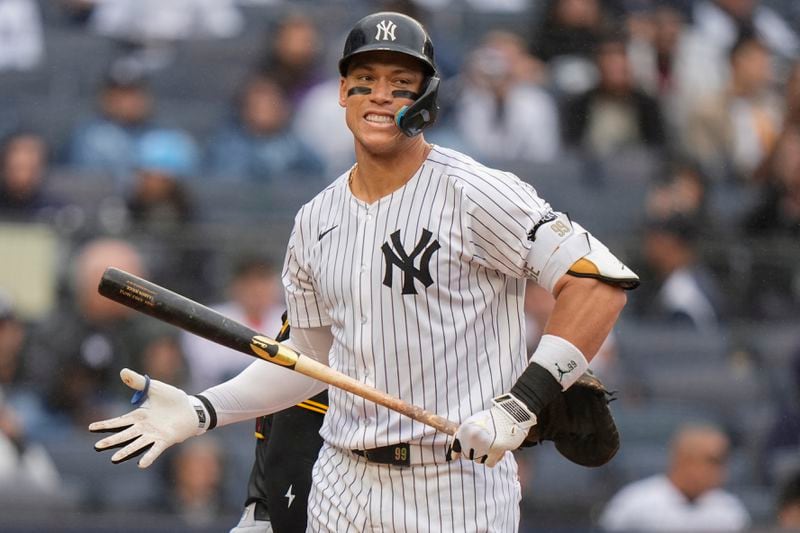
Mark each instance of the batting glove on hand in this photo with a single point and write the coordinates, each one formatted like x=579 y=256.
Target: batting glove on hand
x=485 y=437
x=166 y=416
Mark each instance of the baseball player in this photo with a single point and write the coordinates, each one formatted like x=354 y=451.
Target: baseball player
x=287 y=444
x=408 y=273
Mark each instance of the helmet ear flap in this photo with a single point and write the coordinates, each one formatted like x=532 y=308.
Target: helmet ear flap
x=414 y=118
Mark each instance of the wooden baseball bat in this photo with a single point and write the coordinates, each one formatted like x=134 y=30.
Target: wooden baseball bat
x=163 y=304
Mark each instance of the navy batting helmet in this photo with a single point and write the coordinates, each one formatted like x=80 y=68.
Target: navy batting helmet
x=395 y=32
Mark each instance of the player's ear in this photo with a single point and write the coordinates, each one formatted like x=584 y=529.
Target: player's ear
x=343 y=91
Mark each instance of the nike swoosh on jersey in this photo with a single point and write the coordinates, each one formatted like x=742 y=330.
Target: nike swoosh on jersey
x=321 y=235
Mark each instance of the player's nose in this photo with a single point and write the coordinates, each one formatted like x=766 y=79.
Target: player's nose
x=381 y=92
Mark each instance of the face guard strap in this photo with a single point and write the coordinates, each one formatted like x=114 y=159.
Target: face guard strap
x=414 y=118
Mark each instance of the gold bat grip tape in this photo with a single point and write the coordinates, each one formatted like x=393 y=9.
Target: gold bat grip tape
x=273 y=352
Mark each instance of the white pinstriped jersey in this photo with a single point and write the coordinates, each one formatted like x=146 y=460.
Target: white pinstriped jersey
x=423 y=290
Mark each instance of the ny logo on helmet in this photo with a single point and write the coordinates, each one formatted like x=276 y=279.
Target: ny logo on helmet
x=385 y=31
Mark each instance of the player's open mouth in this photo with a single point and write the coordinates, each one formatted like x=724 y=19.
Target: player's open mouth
x=379 y=119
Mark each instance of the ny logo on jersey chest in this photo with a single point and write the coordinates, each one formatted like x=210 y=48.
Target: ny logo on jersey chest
x=396 y=256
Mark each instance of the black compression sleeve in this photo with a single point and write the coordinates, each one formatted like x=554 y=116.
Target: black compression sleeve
x=536 y=387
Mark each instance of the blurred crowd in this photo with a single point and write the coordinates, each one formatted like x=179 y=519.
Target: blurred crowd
x=175 y=139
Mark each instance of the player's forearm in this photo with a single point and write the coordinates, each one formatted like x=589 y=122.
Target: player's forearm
x=263 y=388
x=585 y=312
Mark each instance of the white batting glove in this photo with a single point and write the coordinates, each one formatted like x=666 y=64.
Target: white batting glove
x=485 y=437
x=166 y=416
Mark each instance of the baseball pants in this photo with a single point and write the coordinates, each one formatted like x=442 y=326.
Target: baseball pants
x=348 y=493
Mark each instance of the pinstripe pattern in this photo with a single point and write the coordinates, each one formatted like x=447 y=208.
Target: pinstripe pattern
x=449 y=348
x=350 y=494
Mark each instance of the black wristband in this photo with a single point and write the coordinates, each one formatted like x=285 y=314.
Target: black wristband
x=536 y=387
x=212 y=413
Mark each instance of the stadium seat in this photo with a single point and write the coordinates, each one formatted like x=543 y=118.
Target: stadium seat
x=654 y=423
x=560 y=491
x=656 y=344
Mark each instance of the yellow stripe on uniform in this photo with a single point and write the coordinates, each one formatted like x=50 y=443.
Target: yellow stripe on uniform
x=312 y=408
x=316 y=404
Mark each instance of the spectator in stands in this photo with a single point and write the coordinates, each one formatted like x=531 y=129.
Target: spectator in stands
x=23 y=169
x=778 y=175
x=566 y=38
x=159 y=199
x=254 y=299
x=194 y=484
x=161 y=356
x=615 y=114
x=720 y=21
x=259 y=145
x=681 y=192
x=147 y=31
x=658 y=37
x=503 y=112
x=162 y=209
x=25 y=466
x=293 y=58
x=320 y=122
x=77 y=351
x=685 y=292
x=702 y=65
x=789 y=504
x=655 y=32
x=732 y=131
x=688 y=496
x=106 y=143
x=16 y=383
x=143 y=21
x=21 y=35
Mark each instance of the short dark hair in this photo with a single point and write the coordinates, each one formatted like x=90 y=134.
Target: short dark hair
x=252 y=264
x=684 y=228
x=746 y=37
x=613 y=36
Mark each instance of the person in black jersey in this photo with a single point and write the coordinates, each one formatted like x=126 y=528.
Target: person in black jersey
x=287 y=444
